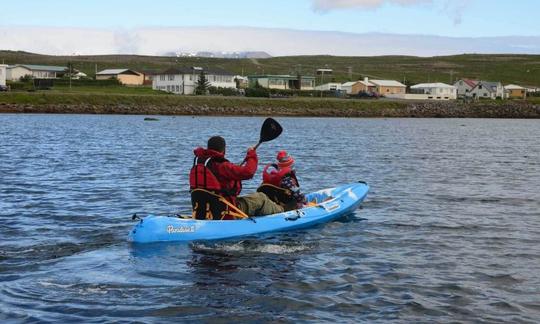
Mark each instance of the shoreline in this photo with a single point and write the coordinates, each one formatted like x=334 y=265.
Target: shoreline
x=240 y=106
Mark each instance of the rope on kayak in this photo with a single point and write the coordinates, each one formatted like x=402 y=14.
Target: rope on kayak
x=237 y=211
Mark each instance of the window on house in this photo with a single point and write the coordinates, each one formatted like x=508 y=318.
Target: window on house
x=171 y=77
x=307 y=84
x=162 y=77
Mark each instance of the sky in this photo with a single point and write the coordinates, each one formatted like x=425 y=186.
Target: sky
x=122 y=26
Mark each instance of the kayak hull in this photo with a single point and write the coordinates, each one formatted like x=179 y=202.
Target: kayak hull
x=333 y=203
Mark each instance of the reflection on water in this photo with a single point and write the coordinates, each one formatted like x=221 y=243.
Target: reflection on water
x=449 y=232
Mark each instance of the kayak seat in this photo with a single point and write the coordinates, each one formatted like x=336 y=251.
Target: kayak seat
x=280 y=196
x=207 y=205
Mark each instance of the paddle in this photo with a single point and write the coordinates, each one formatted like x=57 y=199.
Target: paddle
x=270 y=130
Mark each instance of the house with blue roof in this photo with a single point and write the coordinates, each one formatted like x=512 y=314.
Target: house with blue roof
x=17 y=71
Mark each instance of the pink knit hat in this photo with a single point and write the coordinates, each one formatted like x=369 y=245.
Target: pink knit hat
x=284 y=159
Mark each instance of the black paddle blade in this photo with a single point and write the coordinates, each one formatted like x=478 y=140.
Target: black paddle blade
x=270 y=130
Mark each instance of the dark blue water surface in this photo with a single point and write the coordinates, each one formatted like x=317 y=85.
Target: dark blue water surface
x=450 y=230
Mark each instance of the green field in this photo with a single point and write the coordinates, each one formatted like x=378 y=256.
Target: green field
x=518 y=69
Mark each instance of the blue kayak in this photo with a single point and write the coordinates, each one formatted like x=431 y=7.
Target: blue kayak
x=332 y=204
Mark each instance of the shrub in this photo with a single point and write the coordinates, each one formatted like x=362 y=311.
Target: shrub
x=223 y=91
x=257 y=92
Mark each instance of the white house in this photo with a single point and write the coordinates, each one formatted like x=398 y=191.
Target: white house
x=464 y=86
x=3 y=71
x=332 y=86
x=16 y=72
x=184 y=80
x=488 y=90
x=436 y=91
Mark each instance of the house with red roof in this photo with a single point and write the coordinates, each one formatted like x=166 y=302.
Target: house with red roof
x=464 y=87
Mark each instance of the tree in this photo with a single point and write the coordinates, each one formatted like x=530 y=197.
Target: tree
x=202 y=84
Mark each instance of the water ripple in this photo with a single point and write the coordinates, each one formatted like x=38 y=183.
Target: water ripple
x=450 y=231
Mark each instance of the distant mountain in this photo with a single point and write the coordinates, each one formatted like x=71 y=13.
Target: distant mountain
x=276 y=42
x=234 y=55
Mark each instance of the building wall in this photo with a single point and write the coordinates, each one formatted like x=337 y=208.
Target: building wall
x=277 y=83
x=43 y=74
x=3 y=74
x=126 y=79
x=172 y=83
x=517 y=93
x=480 y=91
x=129 y=79
x=186 y=83
x=462 y=87
x=15 y=73
x=329 y=86
x=104 y=77
x=360 y=87
x=383 y=90
x=307 y=84
x=416 y=96
x=440 y=93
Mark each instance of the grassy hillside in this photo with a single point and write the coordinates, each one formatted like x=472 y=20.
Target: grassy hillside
x=519 y=69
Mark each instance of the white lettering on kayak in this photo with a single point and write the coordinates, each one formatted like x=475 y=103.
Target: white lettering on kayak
x=182 y=229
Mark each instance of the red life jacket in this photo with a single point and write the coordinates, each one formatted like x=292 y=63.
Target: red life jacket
x=201 y=176
x=275 y=176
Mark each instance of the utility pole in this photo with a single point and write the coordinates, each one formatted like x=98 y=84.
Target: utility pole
x=451 y=76
x=70 y=67
x=322 y=82
x=349 y=71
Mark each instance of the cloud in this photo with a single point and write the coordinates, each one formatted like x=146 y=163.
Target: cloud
x=452 y=8
x=327 y=5
x=277 y=42
x=456 y=8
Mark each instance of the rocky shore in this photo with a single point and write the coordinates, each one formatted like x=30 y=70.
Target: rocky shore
x=313 y=108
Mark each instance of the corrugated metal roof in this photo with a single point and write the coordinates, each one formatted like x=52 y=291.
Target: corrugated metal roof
x=185 y=70
x=432 y=85
x=50 y=68
x=514 y=87
x=491 y=86
x=349 y=84
x=114 y=71
x=469 y=82
x=387 y=83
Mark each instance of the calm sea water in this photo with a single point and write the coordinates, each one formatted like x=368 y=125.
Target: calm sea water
x=450 y=230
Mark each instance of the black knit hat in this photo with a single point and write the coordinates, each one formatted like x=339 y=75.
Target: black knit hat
x=216 y=143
